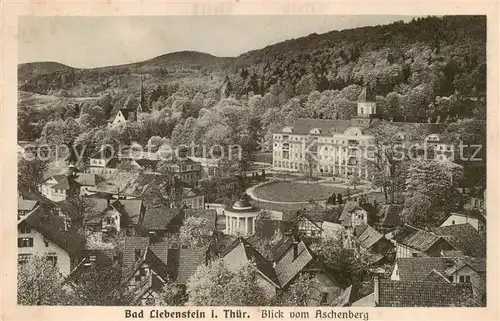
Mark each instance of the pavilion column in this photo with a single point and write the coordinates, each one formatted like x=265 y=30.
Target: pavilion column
x=253 y=226
x=246 y=226
x=238 y=225
x=227 y=224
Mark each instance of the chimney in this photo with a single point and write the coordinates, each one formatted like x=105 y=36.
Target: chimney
x=376 y=291
x=295 y=248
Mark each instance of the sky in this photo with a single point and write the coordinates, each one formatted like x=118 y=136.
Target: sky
x=87 y=42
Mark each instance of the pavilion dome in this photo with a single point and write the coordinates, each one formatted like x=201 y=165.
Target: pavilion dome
x=243 y=205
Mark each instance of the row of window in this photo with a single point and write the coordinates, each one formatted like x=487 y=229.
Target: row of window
x=28 y=242
x=23 y=258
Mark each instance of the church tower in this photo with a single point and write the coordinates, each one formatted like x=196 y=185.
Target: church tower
x=367 y=107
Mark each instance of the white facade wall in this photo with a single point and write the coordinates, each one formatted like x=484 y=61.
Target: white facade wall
x=42 y=246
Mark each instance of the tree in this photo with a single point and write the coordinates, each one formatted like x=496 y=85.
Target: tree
x=218 y=285
x=354 y=180
x=30 y=173
x=431 y=192
x=195 y=232
x=350 y=264
x=387 y=161
x=98 y=286
x=172 y=294
x=304 y=291
x=40 y=283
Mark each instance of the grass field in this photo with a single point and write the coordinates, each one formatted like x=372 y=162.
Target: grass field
x=296 y=192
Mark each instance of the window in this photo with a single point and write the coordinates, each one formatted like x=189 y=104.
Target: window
x=453 y=222
x=324 y=298
x=23 y=258
x=92 y=258
x=137 y=254
x=25 y=242
x=52 y=258
x=467 y=279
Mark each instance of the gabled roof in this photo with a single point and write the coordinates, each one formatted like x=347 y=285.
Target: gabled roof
x=53 y=227
x=158 y=218
x=189 y=261
x=25 y=205
x=415 y=238
x=242 y=253
x=436 y=276
x=369 y=237
x=476 y=264
x=289 y=267
x=463 y=237
x=132 y=243
x=388 y=214
x=158 y=265
x=422 y=294
x=86 y=179
x=473 y=214
x=351 y=206
x=417 y=268
x=130 y=208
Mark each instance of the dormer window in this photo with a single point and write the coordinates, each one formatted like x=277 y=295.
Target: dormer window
x=288 y=129
x=401 y=136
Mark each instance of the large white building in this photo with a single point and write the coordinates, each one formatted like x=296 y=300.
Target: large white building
x=332 y=143
x=336 y=147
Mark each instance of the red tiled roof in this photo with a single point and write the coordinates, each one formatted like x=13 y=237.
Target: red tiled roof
x=288 y=267
x=415 y=238
x=422 y=294
x=243 y=253
x=463 y=237
x=25 y=205
x=369 y=237
x=158 y=218
x=417 y=268
x=189 y=261
x=53 y=228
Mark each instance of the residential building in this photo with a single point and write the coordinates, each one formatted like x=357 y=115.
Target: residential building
x=411 y=242
x=59 y=187
x=463 y=237
x=291 y=258
x=370 y=239
x=147 y=267
x=162 y=221
x=336 y=146
x=443 y=269
x=25 y=206
x=472 y=217
x=45 y=234
x=388 y=293
x=111 y=216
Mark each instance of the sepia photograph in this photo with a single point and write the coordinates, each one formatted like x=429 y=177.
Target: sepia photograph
x=324 y=161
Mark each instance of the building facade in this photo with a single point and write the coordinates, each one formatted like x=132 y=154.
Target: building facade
x=325 y=146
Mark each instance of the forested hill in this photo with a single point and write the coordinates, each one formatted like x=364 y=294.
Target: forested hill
x=28 y=71
x=442 y=54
